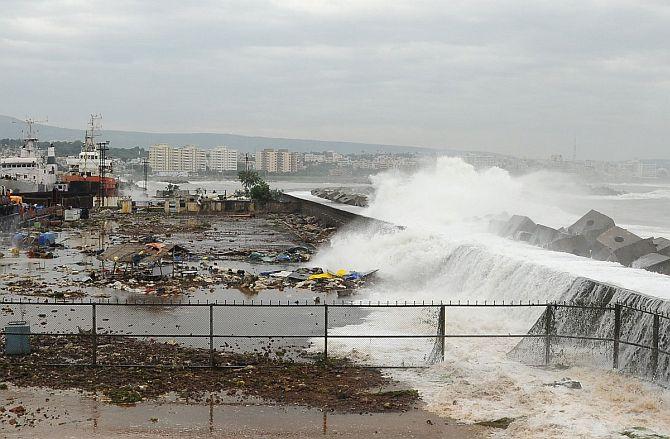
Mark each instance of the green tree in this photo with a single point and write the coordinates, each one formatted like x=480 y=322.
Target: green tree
x=249 y=179
x=260 y=192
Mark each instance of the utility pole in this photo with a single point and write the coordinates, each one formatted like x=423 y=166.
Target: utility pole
x=246 y=161
x=103 y=147
x=145 y=165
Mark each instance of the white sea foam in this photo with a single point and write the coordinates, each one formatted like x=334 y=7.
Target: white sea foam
x=445 y=254
x=658 y=194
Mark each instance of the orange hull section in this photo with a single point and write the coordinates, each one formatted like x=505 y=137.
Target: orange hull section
x=110 y=183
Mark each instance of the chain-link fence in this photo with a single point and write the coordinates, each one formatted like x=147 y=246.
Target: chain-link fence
x=384 y=335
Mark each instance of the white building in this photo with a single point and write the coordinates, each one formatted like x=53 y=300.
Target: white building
x=193 y=159
x=331 y=157
x=313 y=158
x=223 y=159
x=159 y=157
x=277 y=161
x=166 y=158
x=646 y=170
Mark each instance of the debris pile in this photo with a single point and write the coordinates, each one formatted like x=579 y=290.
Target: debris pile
x=334 y=385
x=307 y=228
x=293 y=254
x=315 y=279
x=342 y=281
x=594 y=235
x=36 y=244
x=27 y=285
x=149 y=253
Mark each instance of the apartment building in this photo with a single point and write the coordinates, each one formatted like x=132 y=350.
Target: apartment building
x=190 y=158
x=222 y=159
x=277 y=160
x=159 y=157
x=311 y=157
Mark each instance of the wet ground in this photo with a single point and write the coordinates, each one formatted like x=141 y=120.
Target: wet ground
x=209 y=238
x=67 y=414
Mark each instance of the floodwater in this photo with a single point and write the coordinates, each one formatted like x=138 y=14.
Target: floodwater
x=185 y=325
x=72 y=415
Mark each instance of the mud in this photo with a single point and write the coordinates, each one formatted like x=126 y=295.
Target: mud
x=335 y=384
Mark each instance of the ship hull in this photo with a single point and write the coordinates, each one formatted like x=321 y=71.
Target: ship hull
x=91 y=185
x=20 y=186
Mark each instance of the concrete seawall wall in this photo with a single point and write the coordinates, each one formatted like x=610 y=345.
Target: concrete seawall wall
x=331 y=216
x=636 y=329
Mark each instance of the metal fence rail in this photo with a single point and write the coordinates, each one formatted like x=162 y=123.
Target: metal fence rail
x=253 y=326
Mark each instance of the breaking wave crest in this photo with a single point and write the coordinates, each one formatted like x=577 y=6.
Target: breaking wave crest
x=659 y=194
x=445 y=254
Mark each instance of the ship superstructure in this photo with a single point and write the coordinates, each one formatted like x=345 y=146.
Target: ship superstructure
x=31 y=171
x=91 y=171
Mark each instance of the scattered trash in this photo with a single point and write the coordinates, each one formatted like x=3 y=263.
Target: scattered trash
x=294 y=254
x=140 y=259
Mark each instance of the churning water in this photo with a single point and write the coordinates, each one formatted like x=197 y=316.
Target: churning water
x=445 y=253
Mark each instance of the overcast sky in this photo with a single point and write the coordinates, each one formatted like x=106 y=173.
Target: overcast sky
x=521 y=77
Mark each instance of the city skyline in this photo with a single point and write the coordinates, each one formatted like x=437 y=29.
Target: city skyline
x=507 y=77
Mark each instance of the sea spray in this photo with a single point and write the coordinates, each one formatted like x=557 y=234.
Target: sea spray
x=452 y=192
x=444 y=254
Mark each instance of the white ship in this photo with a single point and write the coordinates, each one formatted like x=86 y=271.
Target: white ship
x=31 y=171
x=91 y=171
x=87 y=163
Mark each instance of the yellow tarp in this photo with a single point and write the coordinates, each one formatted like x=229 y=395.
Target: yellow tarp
x=329 y=275
x=321 y=276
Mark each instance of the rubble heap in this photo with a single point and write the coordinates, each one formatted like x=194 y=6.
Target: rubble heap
x=315 y=279
x=594 y=235
x=307 y=228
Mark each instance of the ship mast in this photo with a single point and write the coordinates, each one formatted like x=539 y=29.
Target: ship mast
x=93 y=126
x=89 y=139
x=30 y=138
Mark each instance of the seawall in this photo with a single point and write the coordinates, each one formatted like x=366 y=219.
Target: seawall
x=636 y=331
x=636 y=327
x=328 y=215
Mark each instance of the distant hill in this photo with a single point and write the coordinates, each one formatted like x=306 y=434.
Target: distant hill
x=11 y=128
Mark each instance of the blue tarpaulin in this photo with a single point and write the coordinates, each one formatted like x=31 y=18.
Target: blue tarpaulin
x=46 y=239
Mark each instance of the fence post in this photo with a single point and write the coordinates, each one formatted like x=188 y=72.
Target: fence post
x=94 y=336
x=325 y=332
x=547 y=334
x=441 y=328
x=617 y=335
x=654 y=351
x=211 y=335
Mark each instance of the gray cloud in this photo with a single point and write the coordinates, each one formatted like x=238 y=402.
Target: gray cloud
x=507 y=76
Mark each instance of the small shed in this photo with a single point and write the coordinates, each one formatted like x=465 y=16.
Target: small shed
x=133 y=254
